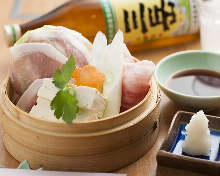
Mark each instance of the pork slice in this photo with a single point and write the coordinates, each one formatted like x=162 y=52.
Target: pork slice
x=33 y=61
x=81 y=58
x=67 y=41
x=135 y=82
x=29 y=97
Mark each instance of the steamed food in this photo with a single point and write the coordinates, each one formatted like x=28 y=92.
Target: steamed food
x=112 y=61
x=91 y=102
x=135 y=82
x=32 y=61
x=29 y=97
x=60 y=76
x=135 y=76
x=198 y=141
x=66 y=41
x=88 y=76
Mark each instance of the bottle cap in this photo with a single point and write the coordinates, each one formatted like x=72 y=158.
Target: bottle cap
x=12 y=33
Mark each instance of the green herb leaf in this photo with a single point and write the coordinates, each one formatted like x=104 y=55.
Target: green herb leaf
x=61 y=78
x=24 y=165
x=65 y=104
x=70 y=108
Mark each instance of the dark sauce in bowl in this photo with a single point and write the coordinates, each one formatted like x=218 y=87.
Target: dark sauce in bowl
x=196 y=82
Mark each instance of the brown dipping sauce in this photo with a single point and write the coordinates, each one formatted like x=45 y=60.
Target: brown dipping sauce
x=196 y=82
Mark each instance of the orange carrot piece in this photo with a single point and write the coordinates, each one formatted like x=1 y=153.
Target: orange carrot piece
x=89 y=76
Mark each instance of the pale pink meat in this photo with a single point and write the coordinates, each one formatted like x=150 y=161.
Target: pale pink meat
x=29 y=97
x=64 y=40
x=33 y=61
x=135 y=82
x=66 y=50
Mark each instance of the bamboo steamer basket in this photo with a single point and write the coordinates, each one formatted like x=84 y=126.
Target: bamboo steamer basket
x=101 y=146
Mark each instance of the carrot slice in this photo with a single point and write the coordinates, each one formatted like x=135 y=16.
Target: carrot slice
x=89 y=76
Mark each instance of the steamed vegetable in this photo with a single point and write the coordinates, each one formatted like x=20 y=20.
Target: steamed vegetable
x=89 y=76
x=109 y=60
x=65 y=103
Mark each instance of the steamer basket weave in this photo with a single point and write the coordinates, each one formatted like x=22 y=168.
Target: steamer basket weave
x=104 y=145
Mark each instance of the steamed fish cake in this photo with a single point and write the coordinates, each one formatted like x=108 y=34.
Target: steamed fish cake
x=64 y=40
x=32 y=61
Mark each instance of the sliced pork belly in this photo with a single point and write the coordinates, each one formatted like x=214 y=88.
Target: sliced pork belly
x=29 y=97
x=32 y=61
x=65 y=40
x=135 y=82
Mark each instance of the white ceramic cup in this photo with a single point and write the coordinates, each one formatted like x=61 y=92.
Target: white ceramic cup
x=210 y=25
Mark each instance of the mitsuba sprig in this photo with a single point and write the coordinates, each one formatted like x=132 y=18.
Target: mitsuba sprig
x=65 y=103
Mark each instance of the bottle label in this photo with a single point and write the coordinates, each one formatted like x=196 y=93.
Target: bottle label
x=147 y=20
